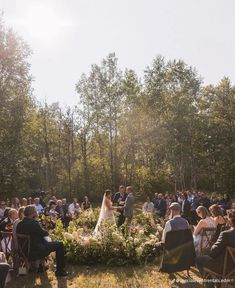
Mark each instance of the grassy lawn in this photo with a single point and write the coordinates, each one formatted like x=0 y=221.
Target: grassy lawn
x=100 y=276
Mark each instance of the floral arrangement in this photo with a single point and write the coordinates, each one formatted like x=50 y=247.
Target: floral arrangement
x=112 y=246
x=47 y=222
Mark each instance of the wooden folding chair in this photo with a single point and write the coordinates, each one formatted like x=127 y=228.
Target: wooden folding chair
x=179 y=252
x=7 y=245
x=225 y=275
x=23 y=242
x=206 y=239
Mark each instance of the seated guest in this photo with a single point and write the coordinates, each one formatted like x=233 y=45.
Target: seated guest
x=215 y=260
x=74 y=208
x=15 y=203
x=179 y=197
x=177 y=243
x=30 y=201
x=23 y=202
x=204 y=200
x=190 y=197
x=64 y=203
x=86 y=204
x=214 y=198
x=7 y=226
x=220 y=222
x=226 y=203
x=5 y=215
x=16 y=222
x=38 y=206
x=168 y=201
x=42 y=197
x=160 y=205
x=4 y=268
x=186 y=206
x=7 y=223
x=39 y=247
x=193 y=214
x=2 y=208
x=59 y=209
x=176 y=222
x=205 y=222
x=217 y=214
x=52 y=211
x=148 y=206
x=67 y=216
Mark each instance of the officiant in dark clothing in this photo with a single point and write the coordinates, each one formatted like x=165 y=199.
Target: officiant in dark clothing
x=160 y=205
x=186 y=207
x=119 y=199
x=39 y=246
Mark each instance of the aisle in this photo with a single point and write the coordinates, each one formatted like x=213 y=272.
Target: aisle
x=111 y=277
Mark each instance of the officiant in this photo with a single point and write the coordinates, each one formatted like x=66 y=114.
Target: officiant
x=119 y=200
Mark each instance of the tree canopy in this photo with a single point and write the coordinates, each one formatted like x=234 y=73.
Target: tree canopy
x=162 y=132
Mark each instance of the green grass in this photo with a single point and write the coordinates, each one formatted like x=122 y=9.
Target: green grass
x=100 y=276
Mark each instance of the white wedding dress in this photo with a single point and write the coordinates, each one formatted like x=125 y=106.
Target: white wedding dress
x=106 y=213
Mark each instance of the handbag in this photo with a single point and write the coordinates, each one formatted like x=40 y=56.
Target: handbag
x=3 y=258
x=22 y=270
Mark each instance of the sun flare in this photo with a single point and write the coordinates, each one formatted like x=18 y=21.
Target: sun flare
x=42 y=23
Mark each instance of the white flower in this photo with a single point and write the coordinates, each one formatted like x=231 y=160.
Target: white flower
x=159 y=228
x=141 y=231
x=75 y=235
x=152 y=236
x=151 y=241
x=136 y=241
x=139 y=251
x=68 y=236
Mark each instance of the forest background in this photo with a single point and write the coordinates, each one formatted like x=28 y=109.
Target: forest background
x=163 y=132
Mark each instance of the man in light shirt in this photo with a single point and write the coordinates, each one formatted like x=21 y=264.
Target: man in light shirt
x=74 y=208
x=38 y=206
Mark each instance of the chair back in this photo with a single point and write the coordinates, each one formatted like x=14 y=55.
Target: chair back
x=206 y=242
x=219 y=229
x=229 y=263
x=6 y=243
x=179 y=252
x=23 y=245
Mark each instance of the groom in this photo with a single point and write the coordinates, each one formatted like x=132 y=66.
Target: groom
x=129 y=205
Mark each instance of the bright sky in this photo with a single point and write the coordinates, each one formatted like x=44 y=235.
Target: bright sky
x=67 y=36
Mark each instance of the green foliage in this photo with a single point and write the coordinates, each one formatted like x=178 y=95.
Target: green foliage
x=163 y=132
x=112 y=246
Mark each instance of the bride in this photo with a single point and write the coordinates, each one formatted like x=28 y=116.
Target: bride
x=106 y=212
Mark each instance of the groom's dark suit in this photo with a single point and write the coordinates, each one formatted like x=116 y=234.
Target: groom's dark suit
x=119 y=198
x=39 y=247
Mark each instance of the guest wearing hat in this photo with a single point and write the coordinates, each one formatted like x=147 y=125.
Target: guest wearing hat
x=176 y=222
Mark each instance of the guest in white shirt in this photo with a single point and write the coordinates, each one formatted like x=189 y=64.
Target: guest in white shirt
x=15 y=223
x=38 y=206
x=74 y=208
x=148 y=206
